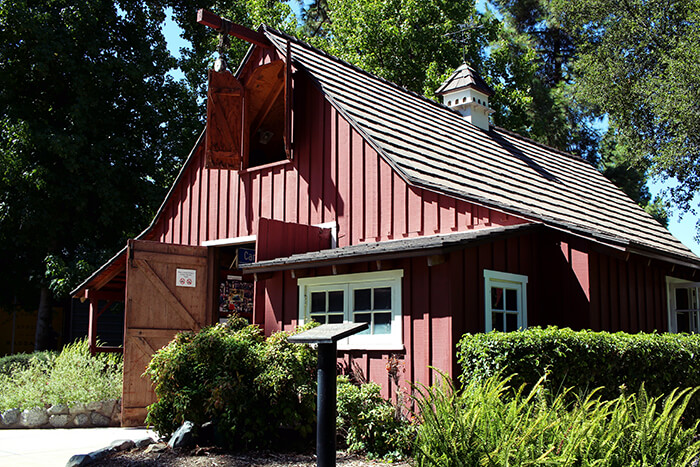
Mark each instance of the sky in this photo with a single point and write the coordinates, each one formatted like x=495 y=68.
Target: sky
x=681 y=225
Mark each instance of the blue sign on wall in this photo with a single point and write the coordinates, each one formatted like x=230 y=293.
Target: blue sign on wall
x=246 y=256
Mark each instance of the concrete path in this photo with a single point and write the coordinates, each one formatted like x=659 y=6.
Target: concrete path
x=53 y=448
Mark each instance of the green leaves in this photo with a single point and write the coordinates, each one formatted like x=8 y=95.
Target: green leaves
x=248 y=385
x=489 y=422
x=583 y=360
x=638 y=63
x=93 y=130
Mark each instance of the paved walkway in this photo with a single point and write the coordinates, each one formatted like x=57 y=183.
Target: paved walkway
x=53 y=448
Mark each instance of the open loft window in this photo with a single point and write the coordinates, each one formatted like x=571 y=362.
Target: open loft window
x=249 y=122
x=684 y=306
x=505 y=298
x=372 y=297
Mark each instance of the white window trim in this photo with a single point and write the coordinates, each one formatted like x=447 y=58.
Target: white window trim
x=393 y=341
x=504 y=278
x=230 y=241
x=333 y=226
x=671 y=284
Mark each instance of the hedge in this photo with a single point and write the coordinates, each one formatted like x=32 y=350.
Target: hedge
x=585 y=360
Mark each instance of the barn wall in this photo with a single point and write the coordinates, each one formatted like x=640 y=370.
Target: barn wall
x=440 y=303
x=629 y=293
x=335 y=176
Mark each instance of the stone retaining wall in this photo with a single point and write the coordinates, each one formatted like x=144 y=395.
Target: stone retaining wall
x=104 y=413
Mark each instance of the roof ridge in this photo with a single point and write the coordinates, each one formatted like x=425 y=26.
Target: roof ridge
x=354 y=67
x=542 y=145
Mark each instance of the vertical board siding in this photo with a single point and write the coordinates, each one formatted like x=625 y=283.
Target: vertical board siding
x=636 y=301
x=335 y=176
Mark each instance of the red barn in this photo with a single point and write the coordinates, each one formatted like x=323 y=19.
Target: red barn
x=319 y=191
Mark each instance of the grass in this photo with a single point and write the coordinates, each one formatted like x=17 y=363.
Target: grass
x=489 y=423
x=69 y=377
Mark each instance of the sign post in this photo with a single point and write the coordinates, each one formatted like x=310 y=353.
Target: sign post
x=326 y=336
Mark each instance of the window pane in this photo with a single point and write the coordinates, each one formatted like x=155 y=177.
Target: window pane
x=382 y=298
x=336 y=319
x=497 y=321
x=318 y=302
x=683 y=322
x=382 y=323
x=511 y=322
x=496 y=298
x=335 y=300
x=363 y=299
x=511 y=300
x=319 y=318
x=364 y=318
x=682 y=302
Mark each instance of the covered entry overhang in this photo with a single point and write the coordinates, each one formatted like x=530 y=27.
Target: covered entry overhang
x=434 y=247
x=104 y=287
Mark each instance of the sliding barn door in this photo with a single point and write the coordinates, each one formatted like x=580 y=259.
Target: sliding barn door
x=168 y=289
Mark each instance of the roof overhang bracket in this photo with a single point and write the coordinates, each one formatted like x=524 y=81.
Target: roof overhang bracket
x=225 y=26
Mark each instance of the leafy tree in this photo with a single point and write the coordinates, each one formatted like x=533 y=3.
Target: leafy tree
x=534 y=38
x=638 y=63
x=93 y=129
x=630 y=174
x=408 y=42
x=250 y=13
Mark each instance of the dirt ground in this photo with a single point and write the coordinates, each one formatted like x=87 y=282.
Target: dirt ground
x=200 y=457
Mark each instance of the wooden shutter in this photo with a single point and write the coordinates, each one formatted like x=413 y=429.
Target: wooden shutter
x=224 y=139
x=288 y=108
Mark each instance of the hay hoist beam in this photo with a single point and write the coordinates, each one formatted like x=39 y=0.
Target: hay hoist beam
x=207 y=18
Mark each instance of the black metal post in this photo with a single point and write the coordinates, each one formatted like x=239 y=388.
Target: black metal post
x=325 y=423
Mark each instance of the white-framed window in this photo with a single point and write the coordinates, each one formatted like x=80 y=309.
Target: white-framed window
x=371 y=297
x=683 y=305
x=506 y=301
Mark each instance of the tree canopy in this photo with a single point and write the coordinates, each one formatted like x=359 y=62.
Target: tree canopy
x=93 y=130
x=638 y=64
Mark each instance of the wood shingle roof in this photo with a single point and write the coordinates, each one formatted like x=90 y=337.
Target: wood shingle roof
x=433 y=147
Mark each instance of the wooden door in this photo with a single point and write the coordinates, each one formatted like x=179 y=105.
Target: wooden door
x=168 y=289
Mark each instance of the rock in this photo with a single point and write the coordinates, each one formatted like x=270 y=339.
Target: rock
x=93 y=406
x=33 y=418
x=58 y=409
x=98 y=419
x=108 y=407
x=81 y=420
x=59 y=421
x=156 y=447
x=77 y=408
x=123 y=444
x=79 y=460
x=183 y=436
x=100 y=454
x=142 y=443
x=205 y=435
x=10 y=417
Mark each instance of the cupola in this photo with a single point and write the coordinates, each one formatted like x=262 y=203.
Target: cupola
x=467 y=93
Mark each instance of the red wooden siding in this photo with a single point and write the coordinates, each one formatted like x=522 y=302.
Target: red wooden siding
x=629 y=293
x=335 y=175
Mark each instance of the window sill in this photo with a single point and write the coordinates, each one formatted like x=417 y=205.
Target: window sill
x=265 y=166
x=379 y=347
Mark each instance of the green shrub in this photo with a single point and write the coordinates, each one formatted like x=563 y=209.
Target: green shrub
x=10 y=363
x=249 y=386
x=583 y=360
x=488 y=423
x=72 y=376
x=368 y=423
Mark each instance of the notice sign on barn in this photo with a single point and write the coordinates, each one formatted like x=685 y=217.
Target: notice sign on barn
x=186 y=278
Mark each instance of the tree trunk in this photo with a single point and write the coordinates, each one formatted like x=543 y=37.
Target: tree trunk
x=44 y=338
